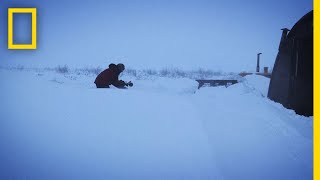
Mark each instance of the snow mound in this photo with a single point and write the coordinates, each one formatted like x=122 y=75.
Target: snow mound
x=167 y=85
x=257 y=83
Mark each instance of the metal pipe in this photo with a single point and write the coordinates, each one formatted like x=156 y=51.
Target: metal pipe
x=283 y=37
x=258 y=62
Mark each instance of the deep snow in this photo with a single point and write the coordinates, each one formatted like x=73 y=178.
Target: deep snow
x=60 y=125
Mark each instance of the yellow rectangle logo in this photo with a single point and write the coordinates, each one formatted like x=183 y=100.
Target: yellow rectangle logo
x=33 y=12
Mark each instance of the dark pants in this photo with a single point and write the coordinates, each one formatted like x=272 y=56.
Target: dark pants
x=99 y=86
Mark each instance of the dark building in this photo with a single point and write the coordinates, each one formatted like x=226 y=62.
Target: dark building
x=292 y=77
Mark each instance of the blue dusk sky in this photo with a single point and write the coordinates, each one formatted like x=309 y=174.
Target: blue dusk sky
x=217 y=35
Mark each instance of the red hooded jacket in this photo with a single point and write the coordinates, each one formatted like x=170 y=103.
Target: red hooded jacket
x=108 y=77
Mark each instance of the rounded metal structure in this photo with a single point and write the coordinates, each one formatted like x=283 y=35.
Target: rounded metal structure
x=292 y=77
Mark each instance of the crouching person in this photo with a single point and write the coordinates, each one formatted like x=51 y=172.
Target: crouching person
x=110 y=76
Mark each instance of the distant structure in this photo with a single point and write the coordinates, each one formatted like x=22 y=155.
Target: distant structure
x=258 y=62
x=292 y=77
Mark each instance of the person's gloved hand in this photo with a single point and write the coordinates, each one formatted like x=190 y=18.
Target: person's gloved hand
x=122 y=83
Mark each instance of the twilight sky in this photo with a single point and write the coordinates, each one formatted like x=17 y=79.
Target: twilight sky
x=218 y=35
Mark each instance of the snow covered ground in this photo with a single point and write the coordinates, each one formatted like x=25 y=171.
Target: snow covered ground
x=60 y=126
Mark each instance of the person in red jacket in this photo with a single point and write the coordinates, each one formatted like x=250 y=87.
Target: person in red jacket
x=110 y=76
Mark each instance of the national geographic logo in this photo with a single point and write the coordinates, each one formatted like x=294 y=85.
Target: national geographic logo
x=33 y=12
